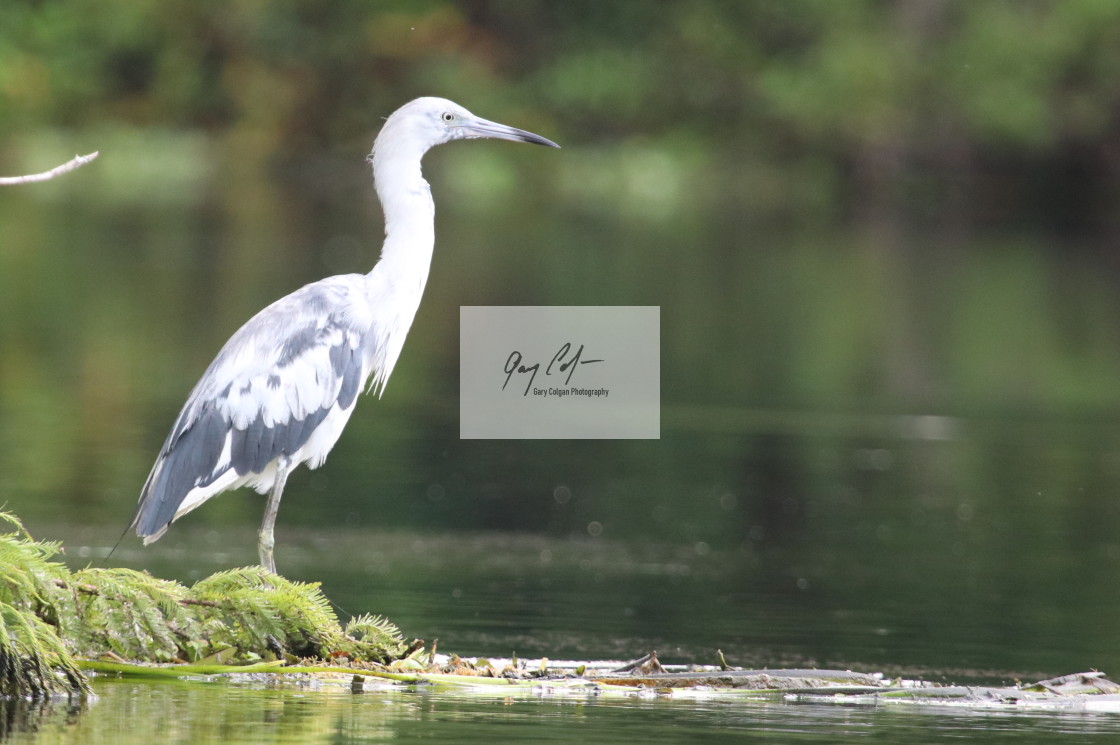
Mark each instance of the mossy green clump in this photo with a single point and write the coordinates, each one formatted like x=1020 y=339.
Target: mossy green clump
x=34 y=661
x=50 y=616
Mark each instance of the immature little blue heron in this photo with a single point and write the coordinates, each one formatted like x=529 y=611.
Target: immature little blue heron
x=284 y=386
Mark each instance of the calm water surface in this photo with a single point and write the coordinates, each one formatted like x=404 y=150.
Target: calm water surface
x=880 y=450
x=223 y=713
x=495 y=594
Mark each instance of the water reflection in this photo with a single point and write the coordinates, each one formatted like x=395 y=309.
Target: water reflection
x=26 y=718
x=220 y=712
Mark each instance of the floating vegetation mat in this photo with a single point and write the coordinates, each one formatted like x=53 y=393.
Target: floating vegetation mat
x=53 y=622
x=645 y=678
x=251 y=627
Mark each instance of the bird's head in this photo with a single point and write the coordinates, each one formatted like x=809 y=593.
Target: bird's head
x=426 y=122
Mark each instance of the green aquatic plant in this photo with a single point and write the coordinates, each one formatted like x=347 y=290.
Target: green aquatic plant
x=130 y=614
x=50 y=617
x=370 y=636
x=34 y=661
x=28 y=577
x=248 y=605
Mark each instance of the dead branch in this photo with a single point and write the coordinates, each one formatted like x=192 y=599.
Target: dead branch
x=77 y=162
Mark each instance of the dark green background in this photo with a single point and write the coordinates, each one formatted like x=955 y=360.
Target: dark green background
x=882 y=235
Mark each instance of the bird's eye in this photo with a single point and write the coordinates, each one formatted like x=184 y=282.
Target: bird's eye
x=448 y=117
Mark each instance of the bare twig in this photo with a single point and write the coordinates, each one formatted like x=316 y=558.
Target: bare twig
x=647 y=663
x=77 y=162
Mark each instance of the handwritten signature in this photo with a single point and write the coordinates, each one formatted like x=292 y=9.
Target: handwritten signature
x=515 y=364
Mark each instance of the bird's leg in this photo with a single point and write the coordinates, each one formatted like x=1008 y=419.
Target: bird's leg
x=265 y=540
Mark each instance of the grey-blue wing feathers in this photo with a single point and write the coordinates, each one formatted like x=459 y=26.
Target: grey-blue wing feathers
x=295 y=366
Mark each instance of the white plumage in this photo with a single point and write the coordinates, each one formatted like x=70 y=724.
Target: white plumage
x=281 y=390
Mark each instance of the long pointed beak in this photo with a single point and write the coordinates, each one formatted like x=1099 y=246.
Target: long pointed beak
x=484 y=128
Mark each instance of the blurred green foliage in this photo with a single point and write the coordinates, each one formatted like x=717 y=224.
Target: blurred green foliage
x=845 y=208
x=869 y=100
